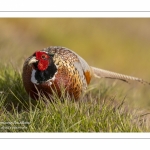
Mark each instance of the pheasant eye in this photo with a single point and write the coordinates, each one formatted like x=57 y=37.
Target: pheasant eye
x=43 y=57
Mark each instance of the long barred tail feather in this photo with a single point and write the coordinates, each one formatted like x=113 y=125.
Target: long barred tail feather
x=100 y=73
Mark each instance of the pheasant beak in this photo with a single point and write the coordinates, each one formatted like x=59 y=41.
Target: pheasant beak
x=32 y=60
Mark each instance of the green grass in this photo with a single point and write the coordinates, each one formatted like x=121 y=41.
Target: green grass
x=97 y=111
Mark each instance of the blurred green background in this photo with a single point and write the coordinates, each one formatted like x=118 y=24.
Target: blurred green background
x=116 y=44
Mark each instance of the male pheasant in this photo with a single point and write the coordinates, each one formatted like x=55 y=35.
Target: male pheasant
x=47 y=70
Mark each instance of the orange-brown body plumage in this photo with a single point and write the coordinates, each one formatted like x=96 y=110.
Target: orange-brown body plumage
x=70 y=74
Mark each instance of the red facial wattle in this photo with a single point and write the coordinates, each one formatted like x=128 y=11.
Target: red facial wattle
x=43 y=65
x=44 y=60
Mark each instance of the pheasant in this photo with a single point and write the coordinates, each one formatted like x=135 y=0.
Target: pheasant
x=48 y=69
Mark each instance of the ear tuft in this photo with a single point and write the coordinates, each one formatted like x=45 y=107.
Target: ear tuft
x=51 y=54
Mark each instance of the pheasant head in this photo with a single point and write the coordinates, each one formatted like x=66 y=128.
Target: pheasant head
x=43 y=67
